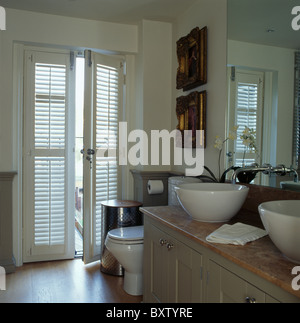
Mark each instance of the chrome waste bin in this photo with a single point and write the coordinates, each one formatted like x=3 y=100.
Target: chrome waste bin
x=117 y=214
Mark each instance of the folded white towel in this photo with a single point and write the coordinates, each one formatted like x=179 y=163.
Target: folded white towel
x=237 y=234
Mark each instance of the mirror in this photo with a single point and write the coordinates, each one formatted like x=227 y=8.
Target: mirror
x=261 y=39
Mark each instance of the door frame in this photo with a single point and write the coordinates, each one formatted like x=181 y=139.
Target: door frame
x=17 y=110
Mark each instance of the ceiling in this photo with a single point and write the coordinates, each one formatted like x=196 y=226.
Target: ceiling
x=122 y=11
x=265 y=22
x=248 y=20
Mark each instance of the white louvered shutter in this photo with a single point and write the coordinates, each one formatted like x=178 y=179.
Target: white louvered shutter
x=104 y=99
x=297 y=111
x=246 y=116
x=106 y=123
x=247 y=105
x=50 y=106
x=46 y=127
x=49 y=201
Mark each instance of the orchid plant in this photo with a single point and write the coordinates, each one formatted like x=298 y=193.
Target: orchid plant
x=248 y=138
x=219 y=144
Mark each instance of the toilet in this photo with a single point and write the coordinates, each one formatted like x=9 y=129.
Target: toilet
x=127 y=246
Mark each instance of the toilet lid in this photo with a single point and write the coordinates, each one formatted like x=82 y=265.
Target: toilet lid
x=127 y=233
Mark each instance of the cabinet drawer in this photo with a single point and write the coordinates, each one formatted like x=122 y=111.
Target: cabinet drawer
x=225 y=286
x=236 y=290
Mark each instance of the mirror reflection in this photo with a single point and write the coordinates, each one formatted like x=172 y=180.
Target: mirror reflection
x=263 y=79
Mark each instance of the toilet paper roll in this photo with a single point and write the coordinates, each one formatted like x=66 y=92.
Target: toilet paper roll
x=155 y=187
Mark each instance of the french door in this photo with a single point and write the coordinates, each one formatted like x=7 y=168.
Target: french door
x=48 y=157
x=49 y=151
x=101 y=175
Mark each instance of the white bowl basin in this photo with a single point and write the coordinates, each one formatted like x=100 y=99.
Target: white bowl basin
x=281 y=220
x=292 y=186
x=211 y=202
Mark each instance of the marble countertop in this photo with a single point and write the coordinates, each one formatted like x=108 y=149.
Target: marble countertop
x=260 y=257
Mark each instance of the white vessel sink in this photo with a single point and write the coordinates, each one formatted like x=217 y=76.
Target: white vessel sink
x=281 y=219
x=290 y=185
x=211 y=202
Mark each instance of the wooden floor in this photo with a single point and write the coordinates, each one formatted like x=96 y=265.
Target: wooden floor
x=67 y=281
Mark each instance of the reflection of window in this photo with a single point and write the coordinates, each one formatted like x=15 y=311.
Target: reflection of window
x=246 y=110
x=245 y=116
x=297 y=110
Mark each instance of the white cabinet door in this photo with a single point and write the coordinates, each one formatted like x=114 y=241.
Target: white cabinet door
x=172 y=270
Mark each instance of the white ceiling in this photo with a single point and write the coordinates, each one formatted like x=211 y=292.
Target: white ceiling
x=249 y=20
x=123 y=11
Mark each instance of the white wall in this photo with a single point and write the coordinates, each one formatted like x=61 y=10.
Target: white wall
x=280 y=60
x=213 y=14
x=154 y=81
x=34 y=28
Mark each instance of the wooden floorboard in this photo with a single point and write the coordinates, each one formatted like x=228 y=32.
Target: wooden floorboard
x=67 y=281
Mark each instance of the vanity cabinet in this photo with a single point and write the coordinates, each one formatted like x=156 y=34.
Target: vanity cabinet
x=180 y=269
x=173 y=271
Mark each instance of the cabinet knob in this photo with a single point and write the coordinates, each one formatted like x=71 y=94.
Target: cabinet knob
x=250 y=300
x=170 y=246
x=162 y=242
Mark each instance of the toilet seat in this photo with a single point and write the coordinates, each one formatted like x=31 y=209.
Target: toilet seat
x=127 y=235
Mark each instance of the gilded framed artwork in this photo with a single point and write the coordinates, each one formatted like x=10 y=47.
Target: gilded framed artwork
x=192 y=59
x=191 y=115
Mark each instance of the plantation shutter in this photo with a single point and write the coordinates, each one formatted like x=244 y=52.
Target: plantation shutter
x=47 y=191
x=245 y=110
x=50 y=106
x=246 y=102
x=246 y=116
x=104 y=97
x=107 y=110
x=297 y=111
